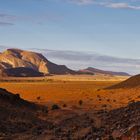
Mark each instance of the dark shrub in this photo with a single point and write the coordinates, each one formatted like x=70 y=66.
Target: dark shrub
x=108 y=100
x=38 y=98
x=64 y=105
x=55 y=107
x=80 y=102
x=114 y=100
x=104 y=105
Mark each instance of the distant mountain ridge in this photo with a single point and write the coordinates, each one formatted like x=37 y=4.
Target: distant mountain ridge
x=92 y=70
x=21 y=63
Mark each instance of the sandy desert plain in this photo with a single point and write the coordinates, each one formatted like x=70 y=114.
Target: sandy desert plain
x=68 y=90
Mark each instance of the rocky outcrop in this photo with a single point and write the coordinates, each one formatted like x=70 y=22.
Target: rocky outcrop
x=18 y=116
x=12 y=59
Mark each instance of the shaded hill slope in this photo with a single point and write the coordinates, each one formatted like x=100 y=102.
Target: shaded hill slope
x=132 y=82
x=18 y=116
x=21 y=72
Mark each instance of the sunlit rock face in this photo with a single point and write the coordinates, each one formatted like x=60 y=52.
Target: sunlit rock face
x=16 y=58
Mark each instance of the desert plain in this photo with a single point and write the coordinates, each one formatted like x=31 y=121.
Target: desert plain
x=68 y=90
x=69 y=107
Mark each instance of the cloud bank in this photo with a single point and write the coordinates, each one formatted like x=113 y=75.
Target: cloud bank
x=80 y=60
x=6 y=24
x=129 y=4
x=8 y=20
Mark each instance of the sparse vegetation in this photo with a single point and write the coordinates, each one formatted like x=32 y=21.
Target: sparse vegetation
x=68 y=93
x=64 y=105
x=38 y=98
x=80 y=102
x=104 y=106
x=98 y=96
x=108 y=100
x=114 y=100
x=55 y=107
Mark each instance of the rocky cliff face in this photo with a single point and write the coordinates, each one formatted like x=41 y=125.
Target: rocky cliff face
x=15 y=58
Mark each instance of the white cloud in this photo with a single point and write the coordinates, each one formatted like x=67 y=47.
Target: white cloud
x=80 y=60
x=6 y=23
x=82 y=2
x=130 y=4
x=122 y=6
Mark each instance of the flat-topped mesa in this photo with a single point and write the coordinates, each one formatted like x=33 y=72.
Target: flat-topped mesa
x=17 y=58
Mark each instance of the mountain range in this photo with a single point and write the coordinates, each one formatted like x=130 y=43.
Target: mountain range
x=98 y=71
x=21 y=63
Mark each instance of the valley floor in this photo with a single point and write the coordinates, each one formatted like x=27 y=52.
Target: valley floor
x=86 y=109
x=63 y=90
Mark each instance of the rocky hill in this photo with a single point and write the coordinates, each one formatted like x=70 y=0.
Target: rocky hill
x=20 y=63
x=18 y=116
x=91 y=70
x=132 y=82
x=14 y=61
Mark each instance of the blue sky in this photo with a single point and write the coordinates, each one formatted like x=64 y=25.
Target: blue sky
x=108 y=27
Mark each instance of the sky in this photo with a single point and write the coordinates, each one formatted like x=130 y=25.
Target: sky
x=105 y=27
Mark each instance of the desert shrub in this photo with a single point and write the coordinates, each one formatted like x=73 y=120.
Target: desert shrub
x=55 y=107
x=64 y=105
x=114 y=100
x=98 y=96
x=38 y=98
x=138 y=96
x=104 y=105
x=80 y=102
x=108 y=100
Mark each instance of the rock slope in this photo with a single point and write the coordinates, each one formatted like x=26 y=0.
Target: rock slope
x=18 y=116
x=16 y=58
x=132 y=82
